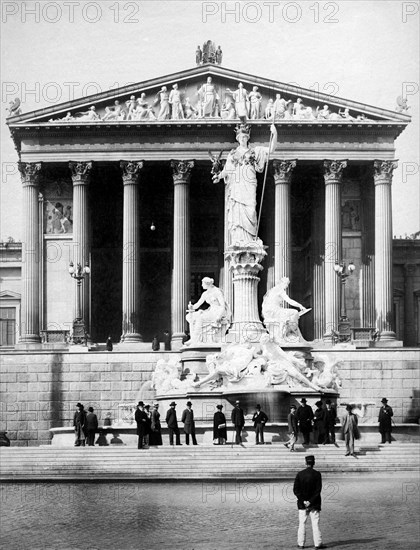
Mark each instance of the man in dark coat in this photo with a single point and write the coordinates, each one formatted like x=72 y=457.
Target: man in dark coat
x=259 y=419
x=307 y=488
x=172 y=422
x=293 y=428
x=219 y=426
x=238 y=420
x=305 y=416
x=189 y=424
x=91 y=426
x=330 y=420
x=141 y=421
x=319 y=423
x=79 y=421
x=385 y=422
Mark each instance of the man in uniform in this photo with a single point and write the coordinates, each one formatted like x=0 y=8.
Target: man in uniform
x=307 y=488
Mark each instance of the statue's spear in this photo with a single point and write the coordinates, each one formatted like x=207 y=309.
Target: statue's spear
x=265 y=179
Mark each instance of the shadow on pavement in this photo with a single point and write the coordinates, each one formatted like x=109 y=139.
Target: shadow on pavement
x=333 y=544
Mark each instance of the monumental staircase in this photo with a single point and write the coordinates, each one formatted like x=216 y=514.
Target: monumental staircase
x=203 y=462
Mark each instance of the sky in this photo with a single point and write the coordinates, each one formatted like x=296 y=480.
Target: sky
x=365 y=51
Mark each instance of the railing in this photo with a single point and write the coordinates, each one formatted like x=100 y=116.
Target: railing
x=55 y=336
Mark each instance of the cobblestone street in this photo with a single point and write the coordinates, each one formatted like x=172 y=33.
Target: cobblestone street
x=359 y=511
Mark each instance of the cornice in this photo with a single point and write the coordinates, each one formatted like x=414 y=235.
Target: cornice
x=186 y=128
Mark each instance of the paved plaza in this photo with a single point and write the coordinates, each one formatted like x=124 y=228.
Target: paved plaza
x=372 y=511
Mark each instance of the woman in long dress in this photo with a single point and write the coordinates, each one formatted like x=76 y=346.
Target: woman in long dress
x=219 y=426
x=204 y=320
x=155 y=435
x=240 y=175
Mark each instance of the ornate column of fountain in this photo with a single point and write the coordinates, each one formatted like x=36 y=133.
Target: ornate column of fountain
x=245 y=266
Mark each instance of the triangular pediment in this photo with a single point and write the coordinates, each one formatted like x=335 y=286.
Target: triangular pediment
x=9 y=295
x=294 y=104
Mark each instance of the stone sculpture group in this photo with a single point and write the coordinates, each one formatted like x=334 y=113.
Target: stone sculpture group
x=236 y=104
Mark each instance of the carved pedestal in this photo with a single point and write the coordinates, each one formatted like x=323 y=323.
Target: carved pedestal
x=245 y=265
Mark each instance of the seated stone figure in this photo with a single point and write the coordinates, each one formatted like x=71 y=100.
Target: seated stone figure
x=208 y=325
x=281 y=322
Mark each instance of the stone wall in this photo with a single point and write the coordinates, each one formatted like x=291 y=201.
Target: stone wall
x=39 y=391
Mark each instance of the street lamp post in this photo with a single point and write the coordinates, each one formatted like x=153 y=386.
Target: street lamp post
x=344 y=272
x=79 y=273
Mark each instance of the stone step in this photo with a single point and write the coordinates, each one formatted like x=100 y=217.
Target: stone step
x=204 y=462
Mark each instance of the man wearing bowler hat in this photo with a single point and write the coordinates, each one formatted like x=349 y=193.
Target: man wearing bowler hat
x=259 y=419
x=385 y=423
x=172 y=422
x=141 y=420
x=305 y=415
x=189 y=424
x=307 y=488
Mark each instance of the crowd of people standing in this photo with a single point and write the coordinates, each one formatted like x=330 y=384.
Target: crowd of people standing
x=320 y=424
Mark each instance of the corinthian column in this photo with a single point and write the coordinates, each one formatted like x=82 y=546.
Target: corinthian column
x=80 y=174
x=181 y=171
x=282 y=172
x=131 y=252
x=383 y=248
x=333 y=175
x=29 y=332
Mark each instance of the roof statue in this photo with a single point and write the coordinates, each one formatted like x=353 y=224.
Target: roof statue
x=14 y=107
x=401 y=104
x=209 y=52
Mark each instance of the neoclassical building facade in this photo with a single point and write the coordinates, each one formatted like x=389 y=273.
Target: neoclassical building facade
x=121 y=181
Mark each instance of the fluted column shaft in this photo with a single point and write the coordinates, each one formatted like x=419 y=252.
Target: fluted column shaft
x=282 y=172
x=368 y=255
x=410 y=338
x=333 y=173
x=29 y=330
x=383 y=248
x=80 y=173
x=319 y=297
x=181 y=171
x=131 y=253
x=228 y=287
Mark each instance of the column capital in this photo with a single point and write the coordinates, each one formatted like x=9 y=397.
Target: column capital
x=80 y=172
x=282 y=170
x=181 y=171
x=333 y=170
x=30 y=173
x=382 y=171
x=131 y=171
